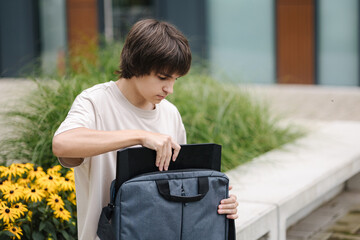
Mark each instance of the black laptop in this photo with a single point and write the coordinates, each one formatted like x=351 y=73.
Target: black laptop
x=138 y=160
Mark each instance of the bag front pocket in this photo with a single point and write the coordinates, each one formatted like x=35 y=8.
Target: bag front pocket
x=145 y=215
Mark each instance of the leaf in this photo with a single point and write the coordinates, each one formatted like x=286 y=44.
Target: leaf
x=37 y=236
x=50 y=229
x=42 y=226
x=41 y=209
x=6 y=233
x=56 y=222
x=26 y=229
x=66 y=235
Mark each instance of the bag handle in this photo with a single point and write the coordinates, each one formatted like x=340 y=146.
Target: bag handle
x=164 y=190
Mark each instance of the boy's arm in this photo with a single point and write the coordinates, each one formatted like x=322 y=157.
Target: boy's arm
x=73 y=145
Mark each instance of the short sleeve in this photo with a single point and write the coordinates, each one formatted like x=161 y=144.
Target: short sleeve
x=181 y=134
x=81 y=114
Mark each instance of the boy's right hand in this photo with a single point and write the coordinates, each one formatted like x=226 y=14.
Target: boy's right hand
x=164 y=146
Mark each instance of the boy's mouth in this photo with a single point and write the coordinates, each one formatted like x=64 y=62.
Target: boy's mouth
x=160 y=97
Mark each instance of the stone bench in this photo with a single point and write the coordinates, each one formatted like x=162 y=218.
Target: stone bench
x=280 y=187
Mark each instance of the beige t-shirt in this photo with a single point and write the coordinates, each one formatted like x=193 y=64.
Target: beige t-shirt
x=104 y=107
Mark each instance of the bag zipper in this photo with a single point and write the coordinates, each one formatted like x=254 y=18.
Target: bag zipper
x=172 y=171
x=182 y=212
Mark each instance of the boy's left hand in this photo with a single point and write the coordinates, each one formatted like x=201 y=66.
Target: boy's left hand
x=229 y=206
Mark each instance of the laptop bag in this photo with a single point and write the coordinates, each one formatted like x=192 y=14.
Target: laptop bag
x=175 y=204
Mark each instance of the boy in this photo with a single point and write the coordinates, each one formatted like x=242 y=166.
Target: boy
x=131 y=111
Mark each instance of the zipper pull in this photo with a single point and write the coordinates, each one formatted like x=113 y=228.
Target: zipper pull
x=183 y=193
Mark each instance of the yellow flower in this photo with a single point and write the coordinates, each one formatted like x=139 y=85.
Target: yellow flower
x=28 y=166
x=70 y=175
x=14 y=230
x=62 y=214
x=29 y=216
x=36 y=172
x=23 y=181
x=66 y=184
x=54 y=170
x=13 y=193
x=49 y=191
x=49 y=181
x=55 y=202
x=2 y=169
x=14 y=169
x=8 y=214
x=21 y=208
x=2 y=203
x=4 y=185
x=72 y=198
x=34 y=194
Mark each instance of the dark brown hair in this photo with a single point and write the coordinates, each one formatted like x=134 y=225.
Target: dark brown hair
x=154 y=46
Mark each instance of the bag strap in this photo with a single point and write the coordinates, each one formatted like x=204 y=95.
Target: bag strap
x=105 y=230
x=164 y=190
x=232 y=232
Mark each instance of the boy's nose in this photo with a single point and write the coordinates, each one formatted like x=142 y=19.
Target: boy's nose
x=169 y=88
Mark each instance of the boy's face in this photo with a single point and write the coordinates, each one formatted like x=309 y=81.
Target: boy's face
x=153 y=88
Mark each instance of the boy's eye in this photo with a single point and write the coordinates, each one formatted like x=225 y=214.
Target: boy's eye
x=162 y=77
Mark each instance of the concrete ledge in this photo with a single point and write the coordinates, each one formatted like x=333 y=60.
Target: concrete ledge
x=256 y=220
x=354 y=183
x=282 y=186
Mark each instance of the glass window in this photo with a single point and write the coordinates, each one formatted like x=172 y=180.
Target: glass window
x=127 y=12
x=53 y=34
x=241 y=40
x=338 y=38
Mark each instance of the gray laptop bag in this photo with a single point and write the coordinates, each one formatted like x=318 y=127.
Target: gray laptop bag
x=168 y=205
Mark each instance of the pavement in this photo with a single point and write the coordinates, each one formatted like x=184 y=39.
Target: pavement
x=311 y=103
x=12 y=92
x=308 y=106
x=339 y=219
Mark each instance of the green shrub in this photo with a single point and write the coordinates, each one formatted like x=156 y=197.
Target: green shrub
x=212 y=112
x=35 y=121
x=223 y=113
x=34 y=125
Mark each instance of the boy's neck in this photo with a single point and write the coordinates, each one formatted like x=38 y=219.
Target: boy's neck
x=128 y=89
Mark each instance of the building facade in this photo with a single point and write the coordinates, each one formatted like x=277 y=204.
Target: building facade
x=249 y=41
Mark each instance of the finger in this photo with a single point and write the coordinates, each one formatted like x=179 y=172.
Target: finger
x=228 y=206
x=176 y=148
x=168 y=156
x=162 y=158
x=232 y=216
x=230 y=188
x=231 y=199
x=161 y=164
x=231 y=211
x=158 y=158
